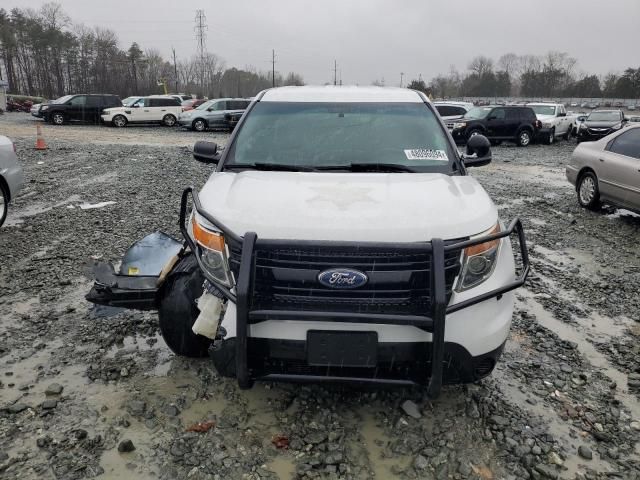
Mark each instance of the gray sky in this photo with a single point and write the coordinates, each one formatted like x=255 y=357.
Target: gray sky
x=372 y=39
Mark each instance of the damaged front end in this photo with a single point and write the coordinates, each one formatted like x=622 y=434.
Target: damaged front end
x=144 y=268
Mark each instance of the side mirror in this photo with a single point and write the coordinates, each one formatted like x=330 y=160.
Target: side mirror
x=206 y=152
x=137 y=105
x=562 y=114
x=478 y=152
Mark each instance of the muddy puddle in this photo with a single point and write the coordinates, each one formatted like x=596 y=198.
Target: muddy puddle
x=584 y=346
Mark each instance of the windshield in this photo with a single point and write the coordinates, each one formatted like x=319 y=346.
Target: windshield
x=604 y=117
x=543 y=109
x=63 y=99
x=317 y=135
x=127 y=102
x=477 y=112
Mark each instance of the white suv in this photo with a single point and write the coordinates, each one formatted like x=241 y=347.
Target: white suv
x=339 y=238
x=164 y=110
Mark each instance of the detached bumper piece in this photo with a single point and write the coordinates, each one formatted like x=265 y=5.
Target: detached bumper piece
x=409 y=284
x=135 y=285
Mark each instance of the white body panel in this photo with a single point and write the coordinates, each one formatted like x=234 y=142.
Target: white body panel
x=141 y=114
x=10 y=169
x=373 y=207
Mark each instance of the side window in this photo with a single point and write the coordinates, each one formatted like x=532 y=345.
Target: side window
x=94 y=101
x=221 y=105
x=513 y=114
x=111 y=101
x=527 y=115
x=627 y=144
x=237 y=105
x=140 y=103
x=172 y=102
x=154 y=102
x=458 y=111
x=498 y=114
x=78 y=101
x=444 y=110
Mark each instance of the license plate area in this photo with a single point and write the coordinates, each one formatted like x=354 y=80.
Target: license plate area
x=342 y=349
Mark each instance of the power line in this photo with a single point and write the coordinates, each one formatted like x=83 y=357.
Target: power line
x=201 y=35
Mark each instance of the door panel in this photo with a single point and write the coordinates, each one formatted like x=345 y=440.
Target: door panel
x=76 y=107
x=621 y=169
x=496 y=122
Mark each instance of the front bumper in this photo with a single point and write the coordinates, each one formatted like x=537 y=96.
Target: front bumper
x=589 y=135
x=431 y=322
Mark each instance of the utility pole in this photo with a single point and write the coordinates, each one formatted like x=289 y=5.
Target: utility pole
x=340 y=77
x=273 y=68
x=201 y=35
x=335 y=72
x=175 y=67
x=401 y=77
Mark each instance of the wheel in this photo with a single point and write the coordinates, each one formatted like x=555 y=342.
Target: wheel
x=524 y=138
x=58 y=118
x=551 y=137
x=223 y=355
x=177 y=309
x=4 y=202
x=119 y=121
x=199 y=125
x=588 y=194
x=169 y=120
x=473 y=133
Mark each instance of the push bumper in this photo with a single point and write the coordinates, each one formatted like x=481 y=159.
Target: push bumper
x=437 y=352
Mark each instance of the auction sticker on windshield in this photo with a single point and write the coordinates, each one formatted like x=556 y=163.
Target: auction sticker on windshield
x=426 y=154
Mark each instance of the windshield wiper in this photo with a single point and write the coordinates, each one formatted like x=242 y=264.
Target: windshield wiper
x=368 y=167
x=269 y=166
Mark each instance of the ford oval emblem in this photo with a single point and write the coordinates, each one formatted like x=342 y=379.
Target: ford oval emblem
x=342 y=278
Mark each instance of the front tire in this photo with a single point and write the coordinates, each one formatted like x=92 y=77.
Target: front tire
x=119 y=121
x=4 y=202
x=551 y=137
x=58 y=119
x=524 y=138
x=473 y=133
x=199 y=125
x=567 y=134
x=168 y=120
x=178 y=311
x=588 y=192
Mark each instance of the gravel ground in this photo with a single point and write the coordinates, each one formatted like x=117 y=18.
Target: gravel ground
x=87 y=392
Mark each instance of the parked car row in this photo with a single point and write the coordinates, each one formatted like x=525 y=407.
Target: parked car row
x=168 y=110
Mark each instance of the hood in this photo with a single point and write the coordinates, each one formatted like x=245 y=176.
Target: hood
x=542 y=118
x=592 y=124
x=384 y=207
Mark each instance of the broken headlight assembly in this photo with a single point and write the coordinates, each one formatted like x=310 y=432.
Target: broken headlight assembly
x=479 y=261
x=212 y=249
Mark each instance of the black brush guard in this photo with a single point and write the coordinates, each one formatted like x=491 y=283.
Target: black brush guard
x=433 y=320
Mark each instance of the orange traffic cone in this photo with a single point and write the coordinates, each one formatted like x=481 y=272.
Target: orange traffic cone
x=40 y=143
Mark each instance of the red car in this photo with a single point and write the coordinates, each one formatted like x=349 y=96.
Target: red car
x=191 y=104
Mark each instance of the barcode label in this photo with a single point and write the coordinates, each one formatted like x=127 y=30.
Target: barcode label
x=426 y=154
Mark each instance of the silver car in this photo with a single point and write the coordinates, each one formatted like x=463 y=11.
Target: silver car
x=11 y=177
x=217 y=113
x=608 y=170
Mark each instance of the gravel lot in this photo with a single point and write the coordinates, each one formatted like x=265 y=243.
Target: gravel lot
x=78 y=383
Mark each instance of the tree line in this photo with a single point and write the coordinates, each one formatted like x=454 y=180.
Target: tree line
x=43 y=53
x=552 y=75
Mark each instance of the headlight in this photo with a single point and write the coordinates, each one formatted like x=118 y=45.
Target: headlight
x=459 y=125
x=44 y=107
x=479 y=261
x=583 y=126
x=617 y=126
x=211 y=250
